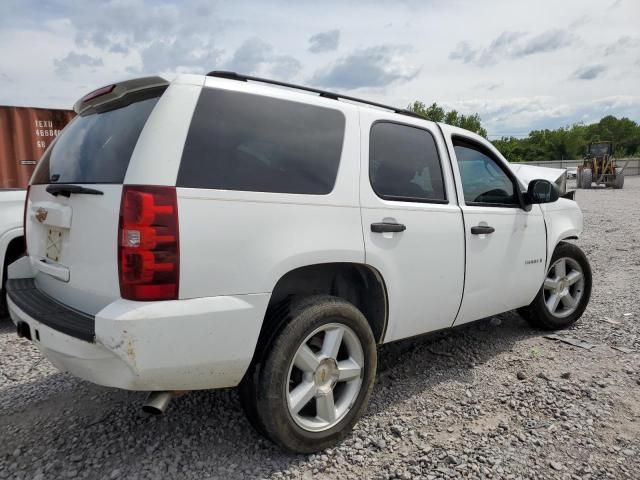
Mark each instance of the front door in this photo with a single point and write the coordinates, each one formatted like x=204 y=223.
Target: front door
x=505 y=244
x=412 y=227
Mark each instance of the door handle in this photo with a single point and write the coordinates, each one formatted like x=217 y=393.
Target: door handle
x=384 y=227
x=482 y=229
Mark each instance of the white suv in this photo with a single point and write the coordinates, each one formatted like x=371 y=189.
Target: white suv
x=217 y=230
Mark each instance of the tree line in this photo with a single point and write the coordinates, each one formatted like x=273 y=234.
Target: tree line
x=560 y=143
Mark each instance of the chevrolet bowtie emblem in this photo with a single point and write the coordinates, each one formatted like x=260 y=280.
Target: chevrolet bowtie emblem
x=41 y=214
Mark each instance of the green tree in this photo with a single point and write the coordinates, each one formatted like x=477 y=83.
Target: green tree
x=436 y=113
x=570 y=142
x=561 y=143
x=433 y=112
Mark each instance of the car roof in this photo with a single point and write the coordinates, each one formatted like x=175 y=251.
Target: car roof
x=303 y=95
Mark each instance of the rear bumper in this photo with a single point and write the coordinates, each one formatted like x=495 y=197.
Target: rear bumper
x=190 y=344
x=25 y=295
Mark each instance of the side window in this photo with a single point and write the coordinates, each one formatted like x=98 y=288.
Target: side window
x=483 y=180
x=404 y=164
x=241 y=141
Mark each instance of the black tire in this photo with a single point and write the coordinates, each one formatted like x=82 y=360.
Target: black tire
x=4 y=311
x=264 y=389
x=618 y=183
x=15 y=250
x=586 y=178
x=537 y=313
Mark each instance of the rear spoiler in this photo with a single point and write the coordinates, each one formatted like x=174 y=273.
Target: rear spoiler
x=108 y=94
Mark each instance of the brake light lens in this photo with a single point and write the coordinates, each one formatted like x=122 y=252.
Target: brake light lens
x=148 y=243
x=98 y=93
x=24 y=220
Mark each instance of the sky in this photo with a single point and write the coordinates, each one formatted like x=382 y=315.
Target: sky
x=519 y=65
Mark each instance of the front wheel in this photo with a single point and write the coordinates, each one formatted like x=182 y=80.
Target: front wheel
x=565 y=292
x=618 y=183
x=586 y=178
x=316 y=379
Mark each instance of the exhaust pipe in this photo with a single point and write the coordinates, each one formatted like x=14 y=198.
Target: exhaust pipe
x=157 y=402
x=23 y=330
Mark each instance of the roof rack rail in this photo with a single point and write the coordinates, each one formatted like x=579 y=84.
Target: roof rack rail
x=323 y=93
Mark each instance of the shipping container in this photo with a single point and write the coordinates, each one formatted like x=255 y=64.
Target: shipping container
x=25 y=133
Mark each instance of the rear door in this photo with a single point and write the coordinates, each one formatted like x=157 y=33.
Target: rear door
x=72 y=237
x=505 y=244
x=412 y=226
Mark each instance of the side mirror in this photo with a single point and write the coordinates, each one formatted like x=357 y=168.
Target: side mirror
x=542 y=191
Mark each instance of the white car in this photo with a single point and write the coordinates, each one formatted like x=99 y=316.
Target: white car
x=218 y=230
x=11 y=239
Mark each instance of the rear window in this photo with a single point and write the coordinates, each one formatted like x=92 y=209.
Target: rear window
x=240 y=141
x=97 y=147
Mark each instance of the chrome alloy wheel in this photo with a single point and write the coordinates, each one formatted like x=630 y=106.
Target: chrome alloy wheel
x=325 y=377
x=563 y=287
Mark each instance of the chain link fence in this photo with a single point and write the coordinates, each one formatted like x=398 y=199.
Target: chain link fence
x=633 y=167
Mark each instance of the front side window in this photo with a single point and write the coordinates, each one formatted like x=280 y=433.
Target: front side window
x=484 y=182
x=241 y=141
x=404 y=164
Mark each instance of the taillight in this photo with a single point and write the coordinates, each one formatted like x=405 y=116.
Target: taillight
x=148 y=243
x=98 y=93
x=24 y=220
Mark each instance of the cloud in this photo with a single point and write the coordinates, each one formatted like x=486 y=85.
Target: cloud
x=588 y=72
x=489 y=86
x=376 y=66
x=75 y=60
x=623 y=44
x=255 y=56
x=118 y=48
x=511 y=45
x=167 y=37
x=464 y=52
x=178 y=54
x=6 y=78
x=580 y=22
x=519 y=115
x=545 y=42
x=324 y=41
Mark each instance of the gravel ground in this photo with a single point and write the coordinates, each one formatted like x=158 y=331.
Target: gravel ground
x=494 y=399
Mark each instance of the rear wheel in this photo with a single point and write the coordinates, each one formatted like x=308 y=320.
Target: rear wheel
x=565 y=292
x=4 y=312
x=586 y=178
x=316 y=379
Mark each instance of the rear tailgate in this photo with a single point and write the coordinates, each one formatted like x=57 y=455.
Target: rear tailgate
x=72 y=243
x=74 y=201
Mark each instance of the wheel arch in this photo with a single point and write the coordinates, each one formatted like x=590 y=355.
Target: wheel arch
x=564 y=221
x=358 y=283
x=11 y=245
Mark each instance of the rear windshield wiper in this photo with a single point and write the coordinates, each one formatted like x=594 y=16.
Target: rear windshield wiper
x=66 y=190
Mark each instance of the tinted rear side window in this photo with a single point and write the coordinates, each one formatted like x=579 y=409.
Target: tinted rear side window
x=404 y=164
x=96 y=148
x=240 y=141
